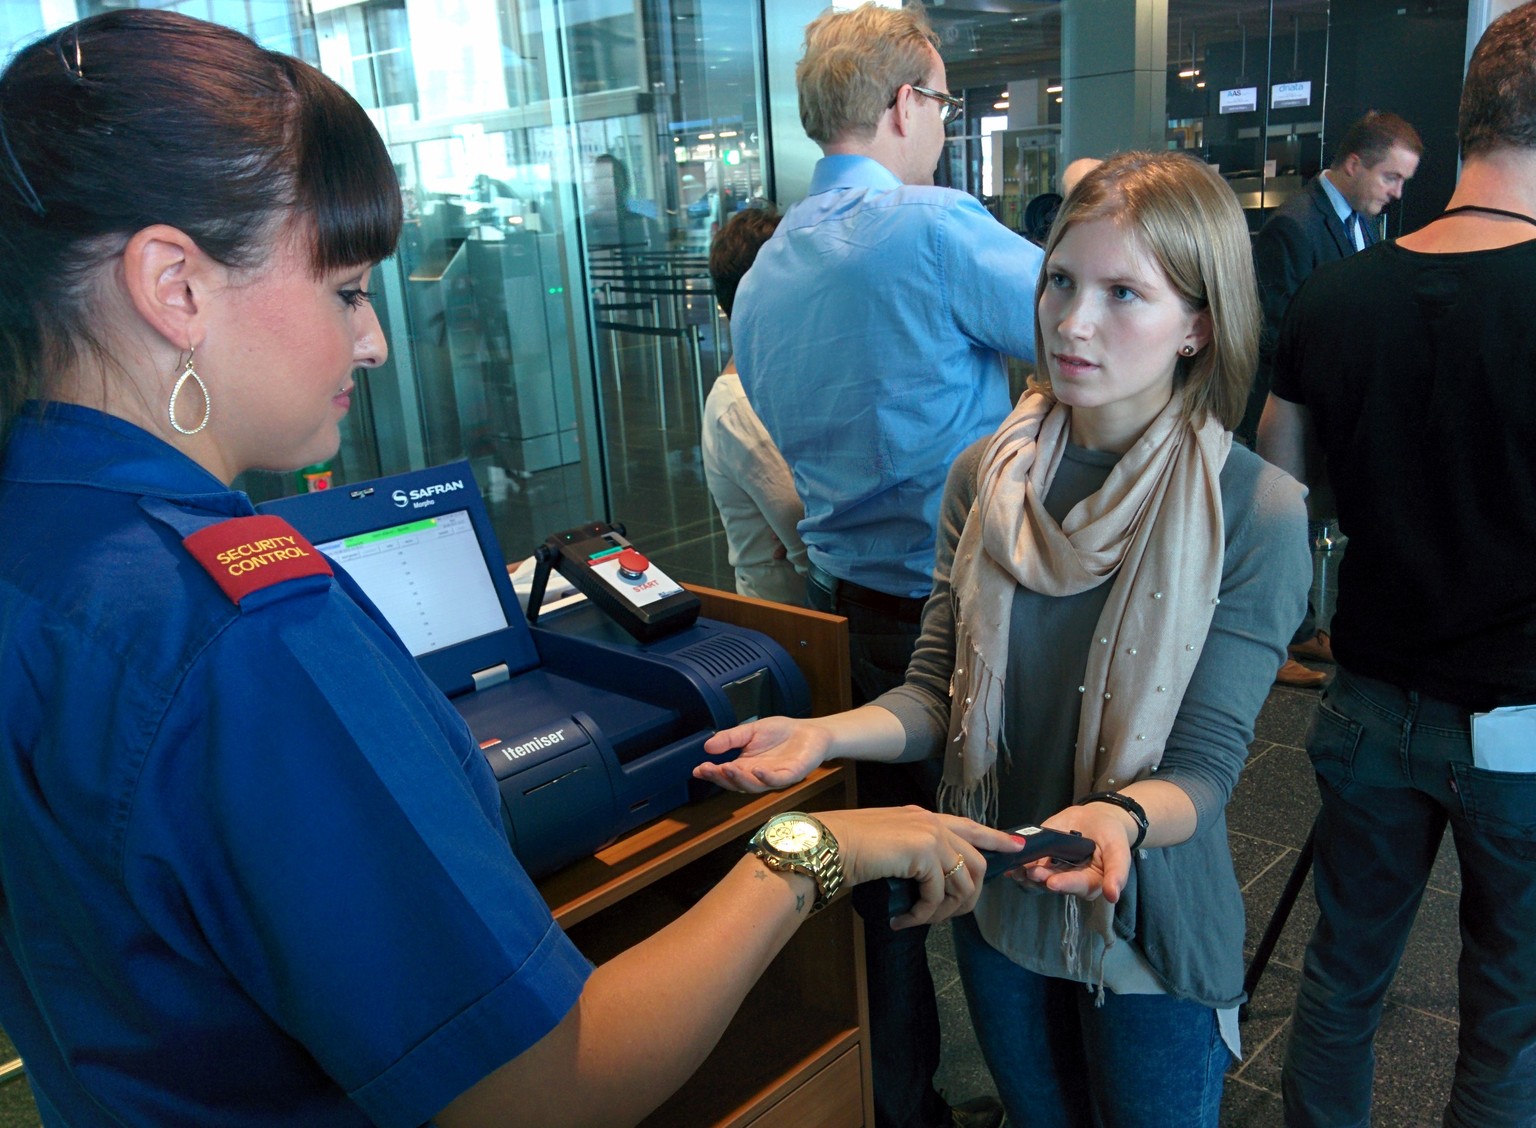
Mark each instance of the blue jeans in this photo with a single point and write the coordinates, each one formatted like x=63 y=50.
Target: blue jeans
x=1393 y=768
x=1059 y=1061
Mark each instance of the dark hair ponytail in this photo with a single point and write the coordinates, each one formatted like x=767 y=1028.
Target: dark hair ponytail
x=136 y=117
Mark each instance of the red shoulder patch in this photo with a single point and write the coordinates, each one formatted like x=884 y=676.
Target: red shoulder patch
x=246 y=554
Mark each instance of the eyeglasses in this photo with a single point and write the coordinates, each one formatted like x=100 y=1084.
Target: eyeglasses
x=949 y=105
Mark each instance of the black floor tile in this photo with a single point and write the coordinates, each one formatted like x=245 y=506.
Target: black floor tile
x=1445 y=875
x=1254 y=858
x=1261 y=899
x=1415 y=1057
x=1426 y=978
x=1248 y=1106
x=962 y=1072
x=1286 y=716
x=1415 y=1061
x=1276 y=796
x=941 y=957
x=17 y=1108
x=1268 y=1018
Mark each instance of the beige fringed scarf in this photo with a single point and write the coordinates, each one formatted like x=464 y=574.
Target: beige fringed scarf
x=1156 y=527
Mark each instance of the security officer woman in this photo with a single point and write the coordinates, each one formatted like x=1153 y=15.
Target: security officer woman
x=251 y=867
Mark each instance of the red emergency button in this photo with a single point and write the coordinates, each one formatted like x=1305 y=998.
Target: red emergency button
x=632 y=563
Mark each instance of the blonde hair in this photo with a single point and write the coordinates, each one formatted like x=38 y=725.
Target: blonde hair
x=854 y=63
x=1185 y=217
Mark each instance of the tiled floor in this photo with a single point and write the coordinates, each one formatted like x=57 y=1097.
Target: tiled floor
x=658 y=490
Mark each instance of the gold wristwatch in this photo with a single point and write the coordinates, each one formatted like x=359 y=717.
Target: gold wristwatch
x=797 y=842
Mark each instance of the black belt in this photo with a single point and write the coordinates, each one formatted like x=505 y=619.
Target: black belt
x=900 y=607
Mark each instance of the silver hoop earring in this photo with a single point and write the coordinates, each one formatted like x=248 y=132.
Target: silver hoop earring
x=1187 y=350
x=190 y=373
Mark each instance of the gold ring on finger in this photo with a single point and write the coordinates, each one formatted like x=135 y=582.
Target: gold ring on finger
x=957 y=867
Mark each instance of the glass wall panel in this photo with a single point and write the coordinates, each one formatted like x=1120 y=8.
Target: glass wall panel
x=484 y=300
x=1005 y=60
x=1246 y=90
x=563 y=165
x=659 y=176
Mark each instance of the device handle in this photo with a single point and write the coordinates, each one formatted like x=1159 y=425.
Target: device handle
x=1067 y=849
x=543 y=561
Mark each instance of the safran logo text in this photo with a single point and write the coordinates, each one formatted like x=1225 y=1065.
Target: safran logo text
x=425 y=496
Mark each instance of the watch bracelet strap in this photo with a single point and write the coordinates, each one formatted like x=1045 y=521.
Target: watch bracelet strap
x=1126 y=804
x=829 y=874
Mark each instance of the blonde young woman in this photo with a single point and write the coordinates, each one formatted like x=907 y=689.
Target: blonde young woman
x=1115 y=583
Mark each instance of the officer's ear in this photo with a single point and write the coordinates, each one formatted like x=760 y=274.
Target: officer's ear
x=169 y=280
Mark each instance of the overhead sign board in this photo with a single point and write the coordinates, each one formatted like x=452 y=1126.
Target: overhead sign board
x=1240 y=100
x=1286 y=94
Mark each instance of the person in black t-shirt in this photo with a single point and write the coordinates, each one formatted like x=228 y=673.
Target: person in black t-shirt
x=1408 y=372
x=1330 y=219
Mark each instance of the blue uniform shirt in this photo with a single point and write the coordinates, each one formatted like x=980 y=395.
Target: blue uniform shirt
x=251 y=862
x=868 y=336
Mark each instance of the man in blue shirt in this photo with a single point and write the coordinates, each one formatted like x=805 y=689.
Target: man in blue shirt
x=870 y=335
x=869 y=332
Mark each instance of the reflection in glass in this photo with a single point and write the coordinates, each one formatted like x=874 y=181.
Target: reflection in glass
x=563 y=168
x=1245 y=92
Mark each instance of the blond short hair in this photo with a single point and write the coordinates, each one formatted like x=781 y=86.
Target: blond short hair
x=854 y=63
x=1186 y=219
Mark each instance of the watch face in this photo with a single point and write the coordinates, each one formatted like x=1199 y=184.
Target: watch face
x=792 y=836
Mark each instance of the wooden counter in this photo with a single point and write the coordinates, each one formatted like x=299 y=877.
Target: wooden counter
x=815 y=988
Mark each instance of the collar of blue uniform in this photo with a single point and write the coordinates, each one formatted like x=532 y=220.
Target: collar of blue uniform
x=67 y=444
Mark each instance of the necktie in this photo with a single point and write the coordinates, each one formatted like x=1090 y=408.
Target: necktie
x=1357 y=231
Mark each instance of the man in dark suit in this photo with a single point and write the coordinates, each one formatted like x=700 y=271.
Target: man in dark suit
x=1332 y=217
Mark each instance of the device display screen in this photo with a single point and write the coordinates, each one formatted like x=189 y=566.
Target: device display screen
x=428 y=577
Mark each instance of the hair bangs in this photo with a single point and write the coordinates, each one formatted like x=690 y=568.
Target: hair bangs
x=345 y=179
